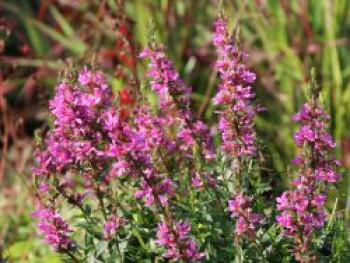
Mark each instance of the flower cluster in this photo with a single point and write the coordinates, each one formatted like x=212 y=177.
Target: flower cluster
x=55 y=230
x=247 y=220
x=174 y=101
x=236 y=119
x=75 y=137
x=165 y=80
x=179 y=244
x=303 y=207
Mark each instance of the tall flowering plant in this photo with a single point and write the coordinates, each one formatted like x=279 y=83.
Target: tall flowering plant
x=151 y=186
x=236 y=121
x=303 y=208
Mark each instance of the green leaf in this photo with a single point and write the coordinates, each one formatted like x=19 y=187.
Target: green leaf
x=74 y=45
x=64 y=24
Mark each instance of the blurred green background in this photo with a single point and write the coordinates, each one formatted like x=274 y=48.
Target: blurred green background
x=284 y=39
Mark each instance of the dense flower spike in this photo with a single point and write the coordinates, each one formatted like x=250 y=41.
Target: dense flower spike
x=303 y=207
x=55 y=230
x=174 y=100
x=177 y=241
x=236 y=118
x=166 y=81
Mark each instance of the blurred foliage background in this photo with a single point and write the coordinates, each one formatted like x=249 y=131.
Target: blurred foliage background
x=39 y=38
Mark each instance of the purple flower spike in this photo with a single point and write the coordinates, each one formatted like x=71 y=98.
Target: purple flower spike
x=303 y=208
x=235 y=95
x=165 y=81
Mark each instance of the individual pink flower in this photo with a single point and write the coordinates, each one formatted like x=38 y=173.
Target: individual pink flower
x=111 y=226
x=155 y=192
x=247 y=220
x=44 y=187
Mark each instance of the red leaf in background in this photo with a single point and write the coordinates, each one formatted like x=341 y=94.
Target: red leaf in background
x=24 y=49
x=346 y=151
x=125 y=97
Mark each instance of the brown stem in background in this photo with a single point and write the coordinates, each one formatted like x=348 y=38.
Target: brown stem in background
x=4 y=140
x=42 y=9
x=345 y=146
x=207 y=95
x=304 y=18
x=101 y=9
